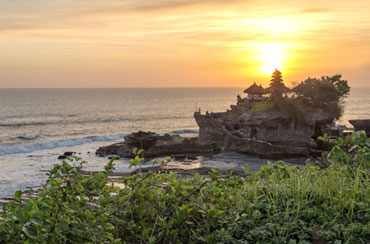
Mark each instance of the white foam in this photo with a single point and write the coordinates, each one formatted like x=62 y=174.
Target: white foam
x=27 y=137
x=50 y=144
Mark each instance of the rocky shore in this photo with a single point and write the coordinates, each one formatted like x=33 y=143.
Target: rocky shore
x=290 y=128
x=186 y=167
x=361 y=124
x=155 y=145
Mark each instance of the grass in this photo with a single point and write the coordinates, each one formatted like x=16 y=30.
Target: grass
x=262 y=106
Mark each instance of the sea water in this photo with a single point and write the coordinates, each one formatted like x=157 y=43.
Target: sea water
x=37 y=125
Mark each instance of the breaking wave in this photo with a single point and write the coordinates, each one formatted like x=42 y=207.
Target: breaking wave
x=50 y=144
x=88 y=121
x=27 y=137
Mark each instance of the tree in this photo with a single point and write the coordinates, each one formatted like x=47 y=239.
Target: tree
x=341 y=85
x=327 y=93
x=277 y=86
x=327 y=88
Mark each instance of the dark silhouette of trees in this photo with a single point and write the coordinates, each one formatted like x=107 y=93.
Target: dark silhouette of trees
x=327 y=93
x=326 y=89
x=341 y=85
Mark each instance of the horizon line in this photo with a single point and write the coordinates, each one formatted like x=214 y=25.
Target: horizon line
x=151 y=87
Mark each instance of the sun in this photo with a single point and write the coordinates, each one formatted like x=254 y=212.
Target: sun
x=272 y=57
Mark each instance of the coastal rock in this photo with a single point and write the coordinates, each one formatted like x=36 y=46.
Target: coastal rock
x=361 y=124
x=269 y=134
x=65 y=155
x=289 y=130
x=141 y=139
x=155 y=145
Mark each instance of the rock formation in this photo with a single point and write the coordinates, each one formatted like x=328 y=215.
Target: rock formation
x=268 y=133
x=155 y=145
x=361 y=124
x=268 y=122
x=272 y=134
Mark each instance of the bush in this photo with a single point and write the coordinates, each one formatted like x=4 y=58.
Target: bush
x=279 y=204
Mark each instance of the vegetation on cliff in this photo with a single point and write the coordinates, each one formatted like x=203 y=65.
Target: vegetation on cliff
x=326 y=94
x=328 y=201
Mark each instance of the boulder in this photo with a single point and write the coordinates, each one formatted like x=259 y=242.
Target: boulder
x=361 y=124
x=141 y=140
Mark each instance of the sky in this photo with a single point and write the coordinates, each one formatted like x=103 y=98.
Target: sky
x=181 y=43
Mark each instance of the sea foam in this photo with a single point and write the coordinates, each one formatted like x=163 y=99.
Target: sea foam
x=50 y=144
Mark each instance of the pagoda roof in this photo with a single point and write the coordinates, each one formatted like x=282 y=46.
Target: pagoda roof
x=284 y=88
x=276 y=72
x=255 y=89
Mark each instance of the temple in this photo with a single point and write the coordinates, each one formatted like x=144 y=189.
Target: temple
x=274 y=122
x=255 y=92
x=266 y=122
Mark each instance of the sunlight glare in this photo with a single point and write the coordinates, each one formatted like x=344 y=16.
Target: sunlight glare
x=272 y=57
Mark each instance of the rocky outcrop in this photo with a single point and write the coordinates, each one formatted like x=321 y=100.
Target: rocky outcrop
x=143 y=140
x=361 y=124
x=155 y=145
x=65 y=155
x=269 y=134
x=289 y=130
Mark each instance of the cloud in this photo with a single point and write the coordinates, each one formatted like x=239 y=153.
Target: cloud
x=15 y=15
x=171 y=4
x=316 y=10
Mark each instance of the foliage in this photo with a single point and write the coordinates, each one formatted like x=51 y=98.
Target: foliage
x=279 y=204
x=327 y=93
x=341 y=85
x=262 y=106
x=294 y=108
x=351 y=152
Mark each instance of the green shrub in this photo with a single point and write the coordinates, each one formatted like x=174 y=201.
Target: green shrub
x=279 y=204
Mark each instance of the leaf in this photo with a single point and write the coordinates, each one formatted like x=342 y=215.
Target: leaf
x=18 y=194
x=145 y=233
x=151 y=240
x=246 y=168
x=353 y=148
x=38 y=222
x=28 y=232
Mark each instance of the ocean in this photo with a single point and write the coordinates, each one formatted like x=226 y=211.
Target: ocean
x=37 y=125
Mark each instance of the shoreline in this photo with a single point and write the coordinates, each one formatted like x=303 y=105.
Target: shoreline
x=224 y=162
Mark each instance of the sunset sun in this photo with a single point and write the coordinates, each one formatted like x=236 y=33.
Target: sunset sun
x=272 y=57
